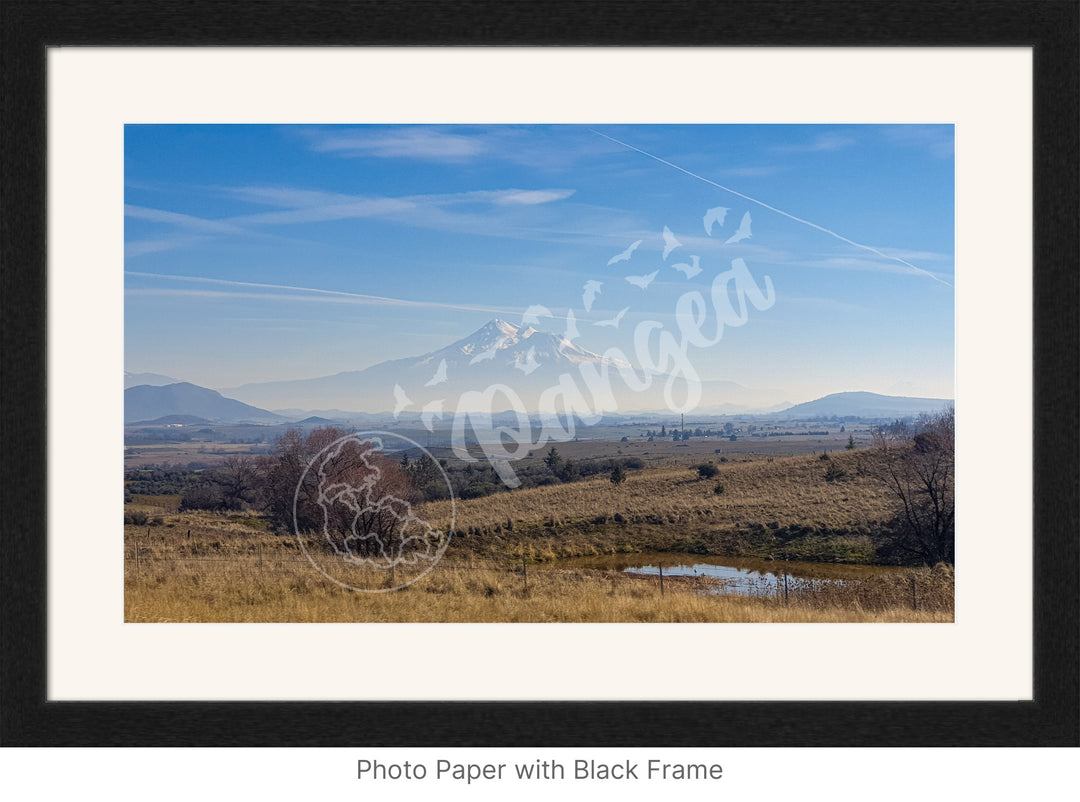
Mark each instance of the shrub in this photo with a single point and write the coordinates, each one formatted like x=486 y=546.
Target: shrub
x=834 y=473
x=719 y=489
x=706 y=470
x=202 y=497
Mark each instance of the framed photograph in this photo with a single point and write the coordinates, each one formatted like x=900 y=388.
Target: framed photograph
x=603 y=378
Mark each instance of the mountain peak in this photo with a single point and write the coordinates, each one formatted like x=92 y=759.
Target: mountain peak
x=493 y=336
x=500 y=325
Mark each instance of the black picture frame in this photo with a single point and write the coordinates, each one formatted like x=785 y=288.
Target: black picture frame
x=1052 y=29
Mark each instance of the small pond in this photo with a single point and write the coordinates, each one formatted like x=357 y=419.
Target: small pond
x=737 y=575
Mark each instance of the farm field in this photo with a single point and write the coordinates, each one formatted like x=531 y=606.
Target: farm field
x=593 y=443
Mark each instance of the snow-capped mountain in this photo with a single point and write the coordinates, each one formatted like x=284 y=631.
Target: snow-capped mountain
x=521 y=347
x=522 y=358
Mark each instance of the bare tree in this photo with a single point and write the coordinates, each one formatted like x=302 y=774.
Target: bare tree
x=917 y=464
x=345 y=488
x=238 y=479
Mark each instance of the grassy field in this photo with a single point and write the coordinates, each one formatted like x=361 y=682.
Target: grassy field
x=199 y=566
x=185 y=591
x=779 y=507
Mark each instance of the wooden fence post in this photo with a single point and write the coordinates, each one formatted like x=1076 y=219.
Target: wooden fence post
x=136 y=557
x=785 y=589
x=525 y=573
x=914 y=598
x=661 y=578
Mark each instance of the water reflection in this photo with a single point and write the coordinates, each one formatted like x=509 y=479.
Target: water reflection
x=733 y=574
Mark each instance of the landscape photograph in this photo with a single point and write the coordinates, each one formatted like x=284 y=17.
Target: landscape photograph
x=539 y=373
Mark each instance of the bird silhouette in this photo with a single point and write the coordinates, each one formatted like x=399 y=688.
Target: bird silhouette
x=527 y=364
x=642 y=281
x=400 y=400
x=571 y=332
x=590 y=291
x=625 y=255
x=534 y=313
x=715 y=216
x=432 y=411
x=614 y=322
x=742 y=233
x=670 y=243
x=689 y=270
x=439 y=377
x=488 y=353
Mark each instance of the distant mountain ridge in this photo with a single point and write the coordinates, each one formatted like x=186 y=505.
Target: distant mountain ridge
x=146 y=402
x=153 y=379
x=863 y=404
x=526 y=360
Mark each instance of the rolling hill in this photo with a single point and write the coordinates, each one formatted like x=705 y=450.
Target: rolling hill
x=153 y=379
x=864 y=405
x=146 y=402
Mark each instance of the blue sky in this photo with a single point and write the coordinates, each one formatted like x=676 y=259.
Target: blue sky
x=259 y=253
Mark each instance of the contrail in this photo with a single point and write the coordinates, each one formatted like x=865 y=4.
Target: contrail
x=916 y=268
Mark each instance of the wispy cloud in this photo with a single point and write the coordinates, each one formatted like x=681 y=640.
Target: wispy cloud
x=524 y=197
x=142 y=247
x=288 y=197
x=750 y=172
x=288 y=292
x=558 y=149
x=938 y=140
x=410 y=143
x=355 y=208
x=822 y=143
x=298 y=206
x=185 y=221
x=291 y=197
x=188 y=230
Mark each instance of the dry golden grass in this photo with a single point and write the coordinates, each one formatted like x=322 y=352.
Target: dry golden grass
x=671 y=509
x=212 y=568
x=789 y=490
x=216 y=567
x=154 y=505
x=241 y=592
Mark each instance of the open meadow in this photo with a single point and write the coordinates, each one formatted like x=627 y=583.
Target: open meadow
x=524 y=555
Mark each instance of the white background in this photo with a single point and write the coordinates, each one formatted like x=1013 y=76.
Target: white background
x=984 y=655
